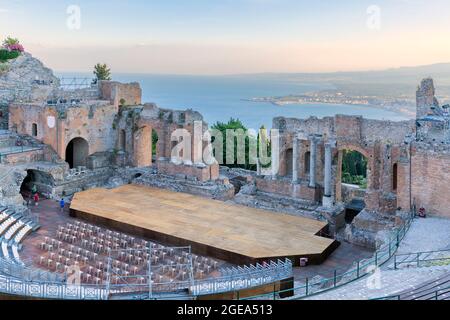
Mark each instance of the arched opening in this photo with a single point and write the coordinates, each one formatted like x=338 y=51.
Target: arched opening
x=123 y=140
x=307 y=162
x=289 y=160
x=353 y=182
x=36 y=181
x=34 y=130
x=77 y=152
x=155 y=140
x=394 y=177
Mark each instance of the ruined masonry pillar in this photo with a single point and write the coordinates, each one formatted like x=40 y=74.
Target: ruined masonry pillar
x=328 y=164
x=312 y=162
x=295 y=152
x=327 y=199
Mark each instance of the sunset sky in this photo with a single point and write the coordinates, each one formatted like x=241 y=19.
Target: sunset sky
x=230 y=36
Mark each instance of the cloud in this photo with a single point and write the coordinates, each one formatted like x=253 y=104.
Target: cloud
x=3 y=10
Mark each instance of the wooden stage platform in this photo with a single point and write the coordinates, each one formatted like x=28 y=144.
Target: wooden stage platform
x=233 y=233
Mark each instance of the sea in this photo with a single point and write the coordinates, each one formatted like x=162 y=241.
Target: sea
x=220 y=98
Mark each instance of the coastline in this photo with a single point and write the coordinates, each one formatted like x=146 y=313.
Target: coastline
x=405 y=111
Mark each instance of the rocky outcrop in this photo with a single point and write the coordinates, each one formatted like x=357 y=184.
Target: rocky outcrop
x=10 y=181
x=27 y=79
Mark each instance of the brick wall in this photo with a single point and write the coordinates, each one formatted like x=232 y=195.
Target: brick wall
x=431 y=181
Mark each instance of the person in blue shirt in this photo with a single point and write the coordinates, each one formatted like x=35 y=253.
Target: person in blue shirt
x=62 y=204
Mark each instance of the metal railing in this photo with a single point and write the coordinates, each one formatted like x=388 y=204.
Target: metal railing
x=45 y=290
x=75 y=83
x=422 y=259
x=19 y=280
x=18 y=149
x=338 y=279
x=28 y=274
x=240 y=278
x=439 y=294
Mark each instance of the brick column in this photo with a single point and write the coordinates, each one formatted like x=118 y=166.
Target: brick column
x=312 y=163
x=295 y=153
x=328 y=199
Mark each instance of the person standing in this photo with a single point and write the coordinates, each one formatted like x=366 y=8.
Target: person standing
x=62 y=204
x=36 y=199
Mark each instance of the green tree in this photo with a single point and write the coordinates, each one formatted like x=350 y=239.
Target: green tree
x=354 y=168
x=155 y=140
x=235 y=124
x=102 y=72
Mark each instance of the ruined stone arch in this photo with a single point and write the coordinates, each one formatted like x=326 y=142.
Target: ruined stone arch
x=341 y=147
x=77 y=151
x=42 y=180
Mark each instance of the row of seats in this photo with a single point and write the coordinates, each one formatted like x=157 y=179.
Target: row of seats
x=13 y=230
x=89 y=248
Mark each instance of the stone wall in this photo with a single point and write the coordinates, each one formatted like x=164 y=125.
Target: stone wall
x=190 y=172
x=115 y=92
x=425 y=98
x=286 y=188
x=57 y=128
x=431 y=180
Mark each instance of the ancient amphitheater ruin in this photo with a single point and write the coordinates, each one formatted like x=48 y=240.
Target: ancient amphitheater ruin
x=94 y=143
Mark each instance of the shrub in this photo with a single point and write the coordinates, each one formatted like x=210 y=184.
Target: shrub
x=6 y=55
x=3 y=68
x=10 y=41
x=15 y=47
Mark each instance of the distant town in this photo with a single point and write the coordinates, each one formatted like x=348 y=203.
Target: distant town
x=404 y=105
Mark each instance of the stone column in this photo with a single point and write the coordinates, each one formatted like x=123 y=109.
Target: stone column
x=275 y=140
x=328 y=199
x=295 y=152
x=312 y=162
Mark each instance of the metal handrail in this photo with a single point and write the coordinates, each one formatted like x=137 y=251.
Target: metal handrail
x=434 y=295
x=417 y=257
x=19 y=280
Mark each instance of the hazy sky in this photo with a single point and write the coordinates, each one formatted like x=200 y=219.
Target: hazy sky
x=230 y=36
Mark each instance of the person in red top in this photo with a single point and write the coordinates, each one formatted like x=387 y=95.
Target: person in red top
x=36 y=199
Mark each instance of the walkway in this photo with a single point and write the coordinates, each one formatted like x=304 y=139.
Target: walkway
x=424 y=235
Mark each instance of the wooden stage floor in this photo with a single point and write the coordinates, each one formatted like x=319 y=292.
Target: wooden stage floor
x=234 y=233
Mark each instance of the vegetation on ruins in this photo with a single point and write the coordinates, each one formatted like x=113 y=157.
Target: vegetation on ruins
x=155 y=140
x=354 y=168
x=11 y=49
x=236 y=124
x=4 y=67
x=102 y=72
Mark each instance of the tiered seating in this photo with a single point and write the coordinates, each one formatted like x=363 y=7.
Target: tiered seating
x=4 y=215
x=5 y=251
x=23 y=233
x=13 y=229
x=6 y=224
